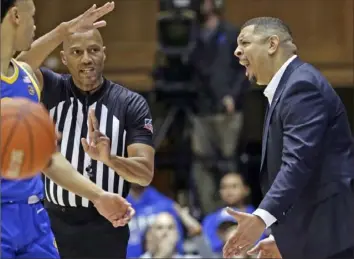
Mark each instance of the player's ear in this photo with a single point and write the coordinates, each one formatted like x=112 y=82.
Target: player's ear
x=15 y=16
x=63 y=58
x=104 y=53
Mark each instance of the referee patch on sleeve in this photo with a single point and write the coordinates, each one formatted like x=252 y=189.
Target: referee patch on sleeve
x=148 y=125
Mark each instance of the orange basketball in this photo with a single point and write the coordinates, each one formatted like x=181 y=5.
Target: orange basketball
x=28 y=138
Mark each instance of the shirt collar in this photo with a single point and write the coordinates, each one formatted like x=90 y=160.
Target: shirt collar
x=269 y=91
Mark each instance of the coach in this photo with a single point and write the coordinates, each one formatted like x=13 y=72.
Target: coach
x=112 y=124
x=307 y=166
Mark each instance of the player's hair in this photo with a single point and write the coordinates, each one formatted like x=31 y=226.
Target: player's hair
x=269 y=25
x=5 y=7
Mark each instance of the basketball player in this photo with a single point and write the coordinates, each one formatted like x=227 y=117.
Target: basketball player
x=25 y=226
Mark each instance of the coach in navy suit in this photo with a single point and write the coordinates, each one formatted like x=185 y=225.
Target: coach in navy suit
x=307 y=167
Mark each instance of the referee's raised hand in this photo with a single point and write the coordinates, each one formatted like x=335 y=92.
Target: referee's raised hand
x=114 y=208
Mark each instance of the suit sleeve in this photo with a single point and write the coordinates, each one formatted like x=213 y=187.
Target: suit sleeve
x=139 y=122
x=305 y=119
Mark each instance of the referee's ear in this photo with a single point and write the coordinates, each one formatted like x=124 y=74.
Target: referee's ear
x=104 y=53
x=63 y=58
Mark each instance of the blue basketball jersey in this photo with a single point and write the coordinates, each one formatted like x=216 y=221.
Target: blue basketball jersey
x=20 y=84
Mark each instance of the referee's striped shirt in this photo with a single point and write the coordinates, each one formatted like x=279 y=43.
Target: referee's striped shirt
x=123 y=116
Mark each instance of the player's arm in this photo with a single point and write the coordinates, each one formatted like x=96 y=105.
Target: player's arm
x=45 y=45
x=41 y=49
x=62 y=173
x=138 y=167
x=305 y=119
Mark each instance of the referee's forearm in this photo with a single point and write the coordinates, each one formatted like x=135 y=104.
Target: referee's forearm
x=133 y=169
x=63 y=174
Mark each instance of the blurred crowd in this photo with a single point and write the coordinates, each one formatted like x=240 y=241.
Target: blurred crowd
x=162 y=228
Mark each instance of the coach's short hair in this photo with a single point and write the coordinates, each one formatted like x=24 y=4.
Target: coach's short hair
x=5 y=7
x=267 y=25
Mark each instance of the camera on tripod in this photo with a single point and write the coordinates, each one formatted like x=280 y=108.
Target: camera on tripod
x=177 y=28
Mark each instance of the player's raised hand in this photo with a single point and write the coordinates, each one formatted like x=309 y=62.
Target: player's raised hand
x=89 y=19
x=114 y=208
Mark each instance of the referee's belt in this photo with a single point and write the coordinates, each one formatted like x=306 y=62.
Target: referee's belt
x=72 y=215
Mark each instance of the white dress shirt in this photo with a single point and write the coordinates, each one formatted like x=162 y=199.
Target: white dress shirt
x=269 y=92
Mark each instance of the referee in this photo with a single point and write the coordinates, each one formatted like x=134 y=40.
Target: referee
x=111 y=123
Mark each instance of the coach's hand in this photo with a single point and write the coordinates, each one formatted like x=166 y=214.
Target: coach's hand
x=248 y=232
x=88 y=20
x=98 y=145
x=267 y=248
x=114 y=208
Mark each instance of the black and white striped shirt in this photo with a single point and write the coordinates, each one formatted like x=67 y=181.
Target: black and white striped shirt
x=123 y=116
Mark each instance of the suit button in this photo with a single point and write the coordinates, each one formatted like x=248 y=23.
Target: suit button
x=284 y=213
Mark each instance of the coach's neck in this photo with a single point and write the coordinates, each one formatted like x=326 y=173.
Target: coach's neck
x=278 y=61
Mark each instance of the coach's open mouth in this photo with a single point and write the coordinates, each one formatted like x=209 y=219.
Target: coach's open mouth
x=246 y=64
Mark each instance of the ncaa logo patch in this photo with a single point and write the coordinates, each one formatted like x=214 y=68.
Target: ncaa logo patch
x=148 y=125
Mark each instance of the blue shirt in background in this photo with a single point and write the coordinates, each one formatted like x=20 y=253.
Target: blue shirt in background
x=150 y=204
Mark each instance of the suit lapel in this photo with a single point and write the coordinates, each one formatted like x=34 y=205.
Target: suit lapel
x=289 y=70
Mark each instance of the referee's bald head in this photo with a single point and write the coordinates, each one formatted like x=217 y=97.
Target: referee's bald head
x=76 y=38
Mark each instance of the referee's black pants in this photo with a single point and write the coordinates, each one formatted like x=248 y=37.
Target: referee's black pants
x=84 y=233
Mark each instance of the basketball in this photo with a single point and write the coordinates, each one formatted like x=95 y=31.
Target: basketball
x=28 y=138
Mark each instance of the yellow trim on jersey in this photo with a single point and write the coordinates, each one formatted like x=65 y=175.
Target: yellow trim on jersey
x=34 y=82
x=11 y=79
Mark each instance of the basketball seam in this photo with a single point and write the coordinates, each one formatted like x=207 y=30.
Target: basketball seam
x=31 y=142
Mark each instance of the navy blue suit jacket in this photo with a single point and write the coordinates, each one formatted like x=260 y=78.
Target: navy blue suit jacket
x=307 y=167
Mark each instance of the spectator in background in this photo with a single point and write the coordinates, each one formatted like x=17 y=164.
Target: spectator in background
x=148 y=203
x=234 y=193
x=162 y=237
x=221 y=83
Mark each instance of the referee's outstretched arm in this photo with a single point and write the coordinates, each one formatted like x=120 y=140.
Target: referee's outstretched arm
x=138 y=167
